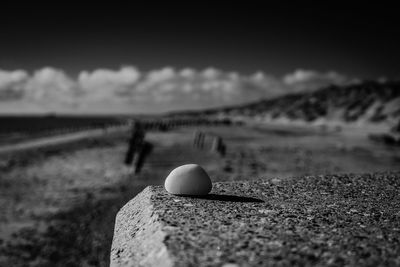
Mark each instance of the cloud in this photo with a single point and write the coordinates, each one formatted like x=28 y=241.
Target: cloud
x=156 y=80
x=50 y=84
x=157 y=76
x=309 y=80
x=211 y=73
x=106 y=83
x=127 y=88
x=126 y=76
x=199 y=88
x=12 y=84
x=187 y=73
x=258 y=77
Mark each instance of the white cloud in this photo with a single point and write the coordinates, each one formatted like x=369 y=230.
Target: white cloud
x=106 y=83
x=104 y=77
x=310 y=80
x=259 y=77
x=51 y=84
x=211 y=73
x=12 y=84
x=187 y=73
x=161 y=75
x=158 y=90
x=299 y=76
x=156 y=79
x=187 y=87
x=9 y=78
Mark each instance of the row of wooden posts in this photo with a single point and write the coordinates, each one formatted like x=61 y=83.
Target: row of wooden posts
x=138 y=148
x=217 y=144
x=166 y=124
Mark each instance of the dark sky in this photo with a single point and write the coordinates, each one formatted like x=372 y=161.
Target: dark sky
x=357 y=41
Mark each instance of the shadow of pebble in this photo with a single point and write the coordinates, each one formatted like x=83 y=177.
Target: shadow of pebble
x=229 y=198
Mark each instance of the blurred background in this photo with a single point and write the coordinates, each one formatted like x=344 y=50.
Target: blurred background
x=98 y=101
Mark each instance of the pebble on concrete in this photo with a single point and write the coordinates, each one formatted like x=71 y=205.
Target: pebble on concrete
x=326 y=220
x=189 y=179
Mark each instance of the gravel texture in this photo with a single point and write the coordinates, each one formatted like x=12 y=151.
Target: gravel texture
x=332 y=220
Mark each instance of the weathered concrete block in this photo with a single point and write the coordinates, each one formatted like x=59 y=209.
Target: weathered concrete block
x=328 y=220
x=138 y=234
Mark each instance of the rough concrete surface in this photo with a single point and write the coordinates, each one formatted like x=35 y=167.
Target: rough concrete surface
x=333 y=220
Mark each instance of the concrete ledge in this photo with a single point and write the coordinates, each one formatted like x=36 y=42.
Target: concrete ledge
x=324 y=220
